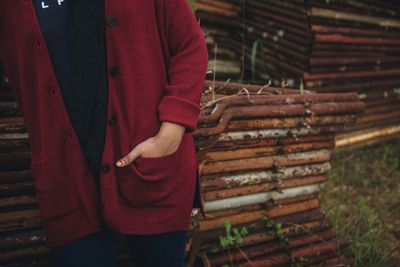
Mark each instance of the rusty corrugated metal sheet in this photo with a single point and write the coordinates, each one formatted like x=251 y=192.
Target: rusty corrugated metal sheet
x=329 y=46
x=267 y=154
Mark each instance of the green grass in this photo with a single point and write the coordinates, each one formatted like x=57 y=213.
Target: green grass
x=192 y=3
x=362 y=198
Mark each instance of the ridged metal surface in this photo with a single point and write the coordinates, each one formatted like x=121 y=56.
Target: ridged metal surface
x=267 y=154
x=329 y=46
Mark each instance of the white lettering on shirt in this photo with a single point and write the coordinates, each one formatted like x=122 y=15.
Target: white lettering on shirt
x=44 y=5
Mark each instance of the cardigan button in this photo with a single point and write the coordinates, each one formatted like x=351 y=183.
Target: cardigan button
x=114 y=71
x=70 y=134
x=86 y=174
x=111 y=20
x=105 y=167
x=112 y=121
x=53 y=90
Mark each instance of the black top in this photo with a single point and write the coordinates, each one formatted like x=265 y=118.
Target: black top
x=86 y=108
x=53 y=23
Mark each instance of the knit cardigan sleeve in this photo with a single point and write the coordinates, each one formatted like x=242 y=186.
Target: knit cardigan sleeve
x=187 y=65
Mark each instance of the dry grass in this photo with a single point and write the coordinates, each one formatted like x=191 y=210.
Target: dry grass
x=362 y=197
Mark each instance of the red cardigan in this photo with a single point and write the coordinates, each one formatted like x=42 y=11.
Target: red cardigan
x=157 y=60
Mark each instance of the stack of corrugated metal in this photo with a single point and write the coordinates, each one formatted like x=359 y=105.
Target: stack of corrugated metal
x=266 y=155
x=261 y=155
x=356 y=47
x=21 y=235
x=220 y=20
x=329 y=46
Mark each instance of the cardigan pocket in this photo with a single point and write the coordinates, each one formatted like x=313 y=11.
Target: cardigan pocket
x=149 y=181
x=148 y=184
x=57 y=198
x=155 y=168
x=57 y=202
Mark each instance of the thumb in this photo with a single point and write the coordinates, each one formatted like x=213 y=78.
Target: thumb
x=129 y=158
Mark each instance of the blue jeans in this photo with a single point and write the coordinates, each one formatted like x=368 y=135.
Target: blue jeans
x=99 y=250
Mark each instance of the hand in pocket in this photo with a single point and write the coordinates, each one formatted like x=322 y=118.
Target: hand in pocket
x=165 y=143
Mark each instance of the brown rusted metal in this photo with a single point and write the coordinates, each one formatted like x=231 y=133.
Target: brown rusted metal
x=255 y=163
x=331 y=46
x=290 y=230
x=18 y=240
x=266 y=162
x=23 y=253
x=293 y=224
x=270 y=249
x=257 y=215
x=274 y=185
x=264 y=151
x=284 y=258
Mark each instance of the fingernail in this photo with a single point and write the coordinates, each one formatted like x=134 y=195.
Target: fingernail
x=120 y=163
